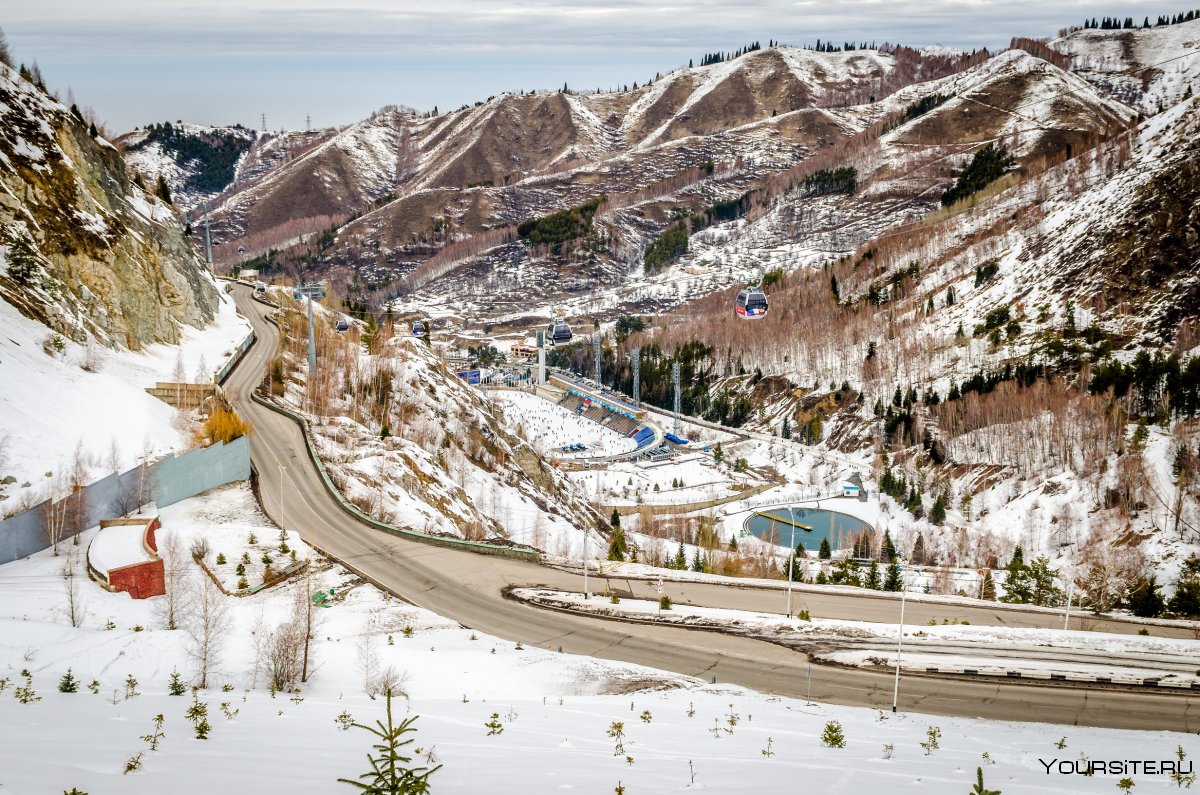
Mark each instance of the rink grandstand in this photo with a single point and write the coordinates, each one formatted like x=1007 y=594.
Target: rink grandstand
x=595 y=404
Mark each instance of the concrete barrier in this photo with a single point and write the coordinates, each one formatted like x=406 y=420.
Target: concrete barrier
x=165 y=482
x=518 y=553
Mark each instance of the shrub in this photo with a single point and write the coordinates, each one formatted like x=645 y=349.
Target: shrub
x=833 y=736
x=68 y=684
x=224 y=425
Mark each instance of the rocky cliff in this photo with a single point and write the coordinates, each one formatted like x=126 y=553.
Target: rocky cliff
x=86 y=251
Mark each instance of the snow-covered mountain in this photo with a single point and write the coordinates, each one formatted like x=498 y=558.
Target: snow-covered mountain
x=198 y=162
x=1149 y=69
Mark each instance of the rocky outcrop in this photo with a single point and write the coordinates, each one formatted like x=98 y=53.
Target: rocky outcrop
x=111 y=261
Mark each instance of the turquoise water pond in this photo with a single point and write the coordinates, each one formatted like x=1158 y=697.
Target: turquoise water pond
x=775 y=525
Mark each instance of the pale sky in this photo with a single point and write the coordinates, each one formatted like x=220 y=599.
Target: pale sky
x=226 y=61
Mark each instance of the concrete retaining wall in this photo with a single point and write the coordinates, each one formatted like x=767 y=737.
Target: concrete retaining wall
x=165 y=482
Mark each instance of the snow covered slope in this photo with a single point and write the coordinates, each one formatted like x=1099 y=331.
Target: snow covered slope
x=90 y=401
x=197 y=161
x=555 y=711
x=1146 y=68
x=410 y=443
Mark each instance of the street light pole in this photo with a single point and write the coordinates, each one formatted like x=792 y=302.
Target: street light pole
x=1070 y=594
x=587 y=548
x=900 y=635
x=281 y=471
x=791 y=559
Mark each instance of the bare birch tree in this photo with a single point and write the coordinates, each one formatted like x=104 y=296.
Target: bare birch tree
x=79 y=510
x=308 y=617
x=175 y=585
x=368 y=658
x=75 y=610
x=54 y=510
x=207 y=626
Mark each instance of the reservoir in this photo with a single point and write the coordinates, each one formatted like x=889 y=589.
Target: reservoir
x=774 y=525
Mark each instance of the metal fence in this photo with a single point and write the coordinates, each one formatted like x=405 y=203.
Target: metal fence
x=166 y=481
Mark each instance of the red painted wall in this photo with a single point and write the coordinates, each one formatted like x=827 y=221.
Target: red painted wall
x=141 y=580
x=149 y=541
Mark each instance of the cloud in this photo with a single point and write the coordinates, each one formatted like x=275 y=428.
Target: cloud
x=379 y=26
x=343 y=58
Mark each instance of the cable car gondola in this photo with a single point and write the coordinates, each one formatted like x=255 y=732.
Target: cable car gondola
x=558 y=332
x=343 y=324
x=751 y=304
x=418 y=329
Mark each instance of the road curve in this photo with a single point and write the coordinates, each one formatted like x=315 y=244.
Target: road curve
x=466 y=587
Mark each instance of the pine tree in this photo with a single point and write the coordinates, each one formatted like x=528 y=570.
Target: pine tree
x=617 y=547
x=1017 y=586
x=937 y=514
x=162 y=190
x=176 y=687
x=68 y=684
x=1041 y=577
x=718 y=453
x=979 y=789
x=825 y=553
x=873 y=580
x=888 y=549
x=680 y=562
x=833 y=736
x=987 y=587
x=22 y=259
x=390 y=773
x=1140 y=434
x=918 y=551
x=197 y=713
x=797 y=567
x=1144 y=600
x=786 y=431
x=893 y=582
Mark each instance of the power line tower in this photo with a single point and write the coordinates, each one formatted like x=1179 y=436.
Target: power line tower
x=596 y=349
x=312 y=346
x=207 y=236
x=308 y=122
x=264 y=122
x=635 y=364
x=675 y=378
x=541 y=348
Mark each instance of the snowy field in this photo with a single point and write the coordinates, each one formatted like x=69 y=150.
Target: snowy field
x=50 y=406
x=555 y=714
x=628 y=483
x=549 y=427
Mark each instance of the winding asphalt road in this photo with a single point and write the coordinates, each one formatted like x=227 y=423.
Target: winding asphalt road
x=466 y=587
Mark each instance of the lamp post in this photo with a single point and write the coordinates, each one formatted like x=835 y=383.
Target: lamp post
x=791 y=559
x=1070 y=594
x=587 y=548
x=900 y=635
x=282 y=469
